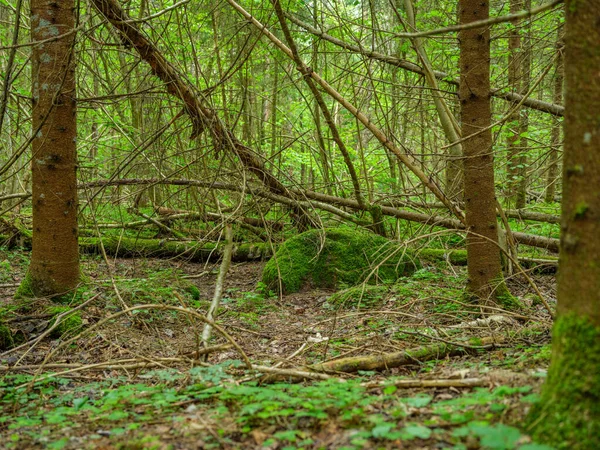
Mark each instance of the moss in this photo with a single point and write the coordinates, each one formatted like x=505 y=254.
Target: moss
x=6 y=337
x=25 y=289
x=505 y=299
x=334 y=257
x=191 y=251
x=25 y=292
x=456 y=257
x=568 y=413
x=362 y=296
x=71 y=323
x=193 y=291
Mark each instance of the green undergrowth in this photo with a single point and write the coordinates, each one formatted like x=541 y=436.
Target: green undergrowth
x=14 y=332
x=56 y=412
x=336 y=257
x=430 y=288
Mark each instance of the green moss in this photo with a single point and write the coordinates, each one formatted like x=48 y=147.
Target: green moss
x=193 y=291
x=362 y=296
x=71 y=323
x=157 y=248
x=456 y=257
x=568 y=413
x=334 y=257
x=25 y=289
x=6 y=337
x=25 y=292
x=505 y=299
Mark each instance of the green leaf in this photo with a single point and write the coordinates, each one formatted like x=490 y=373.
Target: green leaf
x=418 y=401
x=500 y=437
x=381 y=430
x=416 y=431
x=535 y=447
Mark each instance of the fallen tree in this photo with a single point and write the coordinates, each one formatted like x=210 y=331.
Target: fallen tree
x=417 y=355
x=327 y=203
x=162 y=248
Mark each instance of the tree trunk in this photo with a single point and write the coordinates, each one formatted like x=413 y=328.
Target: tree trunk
x=552 y=175
x=514 y=81
x=483 y=254
x=520 y=196
x=568 y=414
x=54 y=267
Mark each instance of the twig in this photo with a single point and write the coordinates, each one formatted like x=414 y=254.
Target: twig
x=214 y=306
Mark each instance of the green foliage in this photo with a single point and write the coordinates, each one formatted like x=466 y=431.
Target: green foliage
x=292 y=411
x=334 y=257
x=362 y=296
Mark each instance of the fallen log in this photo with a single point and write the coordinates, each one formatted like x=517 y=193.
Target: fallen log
x=161 y=248
x=384 y=361
x=323 y=201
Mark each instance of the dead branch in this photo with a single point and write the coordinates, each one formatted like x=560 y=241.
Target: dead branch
x=415 y=355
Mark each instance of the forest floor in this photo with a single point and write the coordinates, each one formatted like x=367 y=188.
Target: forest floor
x=129 y=381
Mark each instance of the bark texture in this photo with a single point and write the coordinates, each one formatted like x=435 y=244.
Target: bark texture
x=552 y=175
x=480 y=201
x=568 y=415
x=579 y=280
x=54 y=265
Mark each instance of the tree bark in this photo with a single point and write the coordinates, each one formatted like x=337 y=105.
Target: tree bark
x=568 y=414
x=552 y=175
x=480 y=202
x=54 y=267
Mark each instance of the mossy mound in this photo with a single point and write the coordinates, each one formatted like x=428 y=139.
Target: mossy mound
x=335 y=257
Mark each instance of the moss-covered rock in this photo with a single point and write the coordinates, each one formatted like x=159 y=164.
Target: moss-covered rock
x=336 y=257
x=568 y=413
x=361 y=296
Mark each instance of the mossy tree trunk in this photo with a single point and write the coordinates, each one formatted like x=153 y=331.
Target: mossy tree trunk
x=480 y=202
x=568 y=414
x=54 y=265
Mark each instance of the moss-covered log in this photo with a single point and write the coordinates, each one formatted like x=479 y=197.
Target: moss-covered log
x=385 y=361
x=157 y=248
x=334 y=257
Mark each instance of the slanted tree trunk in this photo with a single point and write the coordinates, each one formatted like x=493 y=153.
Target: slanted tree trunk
x=54 y=267
x=568 y=414
x=485 y=273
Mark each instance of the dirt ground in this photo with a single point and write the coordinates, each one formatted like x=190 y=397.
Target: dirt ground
x=155 y=349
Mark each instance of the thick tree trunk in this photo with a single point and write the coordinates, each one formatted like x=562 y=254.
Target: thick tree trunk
x=480 y=203
x=54 y=265
x=568 y=414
